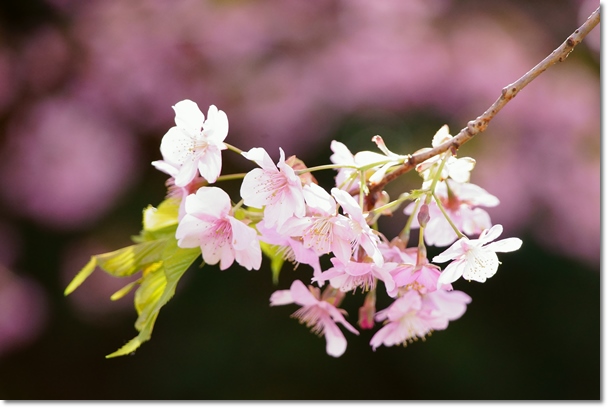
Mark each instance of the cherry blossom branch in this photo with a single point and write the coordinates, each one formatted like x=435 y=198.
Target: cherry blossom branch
x=481 y=123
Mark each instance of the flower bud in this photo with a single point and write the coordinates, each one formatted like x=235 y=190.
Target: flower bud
x=367 y=311
x=423 y=215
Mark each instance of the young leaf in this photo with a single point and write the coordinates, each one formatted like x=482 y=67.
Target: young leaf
x=158 y=285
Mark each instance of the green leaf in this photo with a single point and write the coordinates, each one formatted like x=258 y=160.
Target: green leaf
x=122 y=262
x=120 y=293
x=276 y=259
x=157 y=288
x=162 y=217
x=81 y=276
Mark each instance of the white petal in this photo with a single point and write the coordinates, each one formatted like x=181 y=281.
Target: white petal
x=480 y=265
x=261 y=158
x=505 y=245
x=215 y=128
x=453 y=252
x=489 y=235
x=176 y=146
x=441 y=136
x=452 y=272
x=189 y=117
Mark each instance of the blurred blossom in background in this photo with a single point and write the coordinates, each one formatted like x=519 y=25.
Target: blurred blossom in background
x=86 y=90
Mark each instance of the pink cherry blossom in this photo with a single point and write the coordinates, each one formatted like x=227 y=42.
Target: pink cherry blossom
x=208 y=223
x=194 y=143
x=322 y=317
x=473 y=259
x=422 y=277
x=364 y=236
x=277 y=189
x=414 y=316
x=292 y=249
x=323 y=229
x=351 y=275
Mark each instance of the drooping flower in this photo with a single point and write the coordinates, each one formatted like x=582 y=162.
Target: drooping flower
x=473 y=259
x=291 y=248
x=208 y=223
x=194 y=144
x=321 y=316
x=351 y=275
x=364 y=236
x=422 y=277
x=413 y=316
x=277 y=189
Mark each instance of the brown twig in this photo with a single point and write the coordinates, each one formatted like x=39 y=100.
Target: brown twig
x=481 y=123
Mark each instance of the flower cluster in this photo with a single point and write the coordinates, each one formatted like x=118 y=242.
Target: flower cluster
x=285 y=214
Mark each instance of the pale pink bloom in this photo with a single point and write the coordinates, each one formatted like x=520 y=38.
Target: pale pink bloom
x=461 y=204
x=348 y=178
x=364 y=236
x=208 y=223
x=292 y=249
x=194 y=143
x=323 y=230
x=351 y=275
x=458 y=170
x=393 y=159
x=473 y=259
x=277 y=189
x=422 y=277
x=414 y=316
x=393 y=252
x=322 y=317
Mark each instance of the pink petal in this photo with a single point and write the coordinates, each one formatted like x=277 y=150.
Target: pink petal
x=281 y=297
x=189 y=231
x=336 y=342
x=301 y=295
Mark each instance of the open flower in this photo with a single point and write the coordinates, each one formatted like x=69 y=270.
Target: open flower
x=208 y=223
x=473 y=259
x=364 y=236
x=414 y=316
x=323 y=230
x=277 y=189
x=194 y=143
x=351 y=275
x=322 y=317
